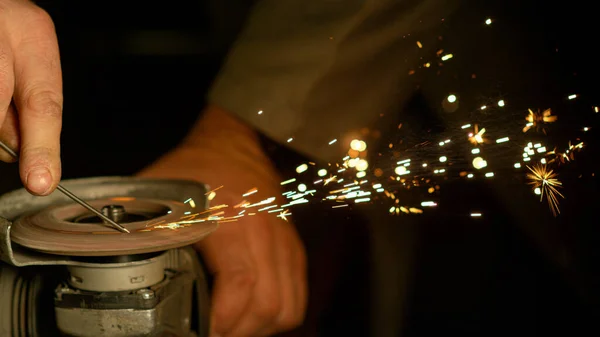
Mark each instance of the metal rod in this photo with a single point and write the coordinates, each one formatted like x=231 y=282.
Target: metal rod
x=73 y=196
x=91 y=209
x=9 y=150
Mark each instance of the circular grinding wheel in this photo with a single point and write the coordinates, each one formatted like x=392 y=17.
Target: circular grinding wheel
x=155 y=225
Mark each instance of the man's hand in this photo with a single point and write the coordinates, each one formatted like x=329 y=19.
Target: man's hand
x=258 y=261
x=30 y=93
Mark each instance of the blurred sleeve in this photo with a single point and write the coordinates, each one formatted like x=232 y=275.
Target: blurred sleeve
x=316 y=71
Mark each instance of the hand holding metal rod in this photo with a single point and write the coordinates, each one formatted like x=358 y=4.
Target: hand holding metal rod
x=73 y=196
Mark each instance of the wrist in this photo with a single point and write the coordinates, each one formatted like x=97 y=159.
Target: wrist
x=219 y=129
x=220 y=139
x=221 y=151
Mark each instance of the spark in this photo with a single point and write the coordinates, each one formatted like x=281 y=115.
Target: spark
x=558 y=157
x=545 y=180
x=575 y=147
x=362 y=165
x=330 y=179
x=173 y=226
x=213 y=190
x=191 y=202
x=358 y=145
x=479 y=163
x=289 y=181
x=566 y=156
x=250 y=192
x=430 y=164
x=301 y=168
x=537 y=119
x=266 y=208
x=476 y=137
x=447 y=57
x=284 y=214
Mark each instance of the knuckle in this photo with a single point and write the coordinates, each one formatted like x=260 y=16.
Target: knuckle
x=45 y=103
x=37 y=157
x=269 y=307
x=290 y=320
x=40 y=16
x=245 y=279
x=40 y=27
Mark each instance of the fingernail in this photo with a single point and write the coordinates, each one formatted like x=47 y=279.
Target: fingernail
x=39 y=181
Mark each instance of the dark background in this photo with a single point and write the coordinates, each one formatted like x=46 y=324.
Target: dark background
x=135 y=76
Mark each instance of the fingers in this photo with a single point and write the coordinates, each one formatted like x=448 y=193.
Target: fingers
x=7 y=81
x=268 y=294
x=291 y=264
x=299 y=280
x=226 y=255
x=260 y=277
x=38 y=98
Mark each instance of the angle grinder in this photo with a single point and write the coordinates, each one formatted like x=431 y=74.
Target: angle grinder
x=66 y=272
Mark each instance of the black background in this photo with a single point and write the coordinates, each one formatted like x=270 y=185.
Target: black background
x=127 y=103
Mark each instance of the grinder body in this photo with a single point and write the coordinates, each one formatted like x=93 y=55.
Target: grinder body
x=162 y=292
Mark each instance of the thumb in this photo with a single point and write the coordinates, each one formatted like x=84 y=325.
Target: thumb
x=39 y=101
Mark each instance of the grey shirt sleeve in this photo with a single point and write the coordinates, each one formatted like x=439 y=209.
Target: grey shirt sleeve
x=323 y=70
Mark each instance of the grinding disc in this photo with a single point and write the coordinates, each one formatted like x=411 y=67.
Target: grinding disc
x=155 y=225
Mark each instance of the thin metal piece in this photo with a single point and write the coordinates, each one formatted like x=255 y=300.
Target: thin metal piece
x=9 y=150
x=73 y=196
x=91 y=209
